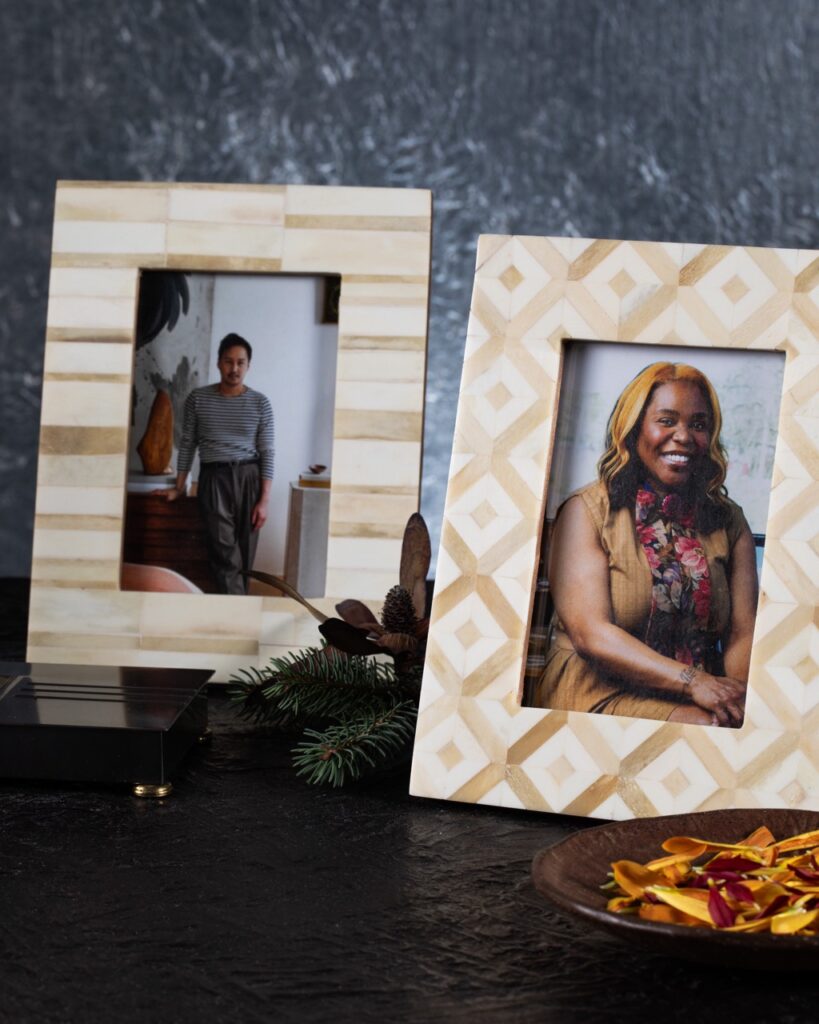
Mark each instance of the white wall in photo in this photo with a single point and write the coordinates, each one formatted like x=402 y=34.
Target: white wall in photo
x=294 y=364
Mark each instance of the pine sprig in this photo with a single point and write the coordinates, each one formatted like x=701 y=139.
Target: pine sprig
x=368 y=708
x=316 y=684
x=344 y=752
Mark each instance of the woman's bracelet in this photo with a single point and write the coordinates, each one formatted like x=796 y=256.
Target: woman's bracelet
x=687 y=677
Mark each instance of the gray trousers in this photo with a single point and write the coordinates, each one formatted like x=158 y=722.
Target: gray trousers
x=227 y=494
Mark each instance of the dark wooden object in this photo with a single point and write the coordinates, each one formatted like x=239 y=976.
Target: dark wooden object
x=99 y=724
x=169 y=534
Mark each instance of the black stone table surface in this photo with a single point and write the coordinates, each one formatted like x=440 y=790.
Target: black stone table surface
x=250 y=896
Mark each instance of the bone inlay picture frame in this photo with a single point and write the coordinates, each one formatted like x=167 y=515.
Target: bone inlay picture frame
x=476 y=742
x=105 y=235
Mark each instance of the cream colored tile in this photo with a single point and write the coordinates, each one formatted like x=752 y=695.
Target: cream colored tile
x=196 y=615
x=81 y=471
x=91 y=312
x=357 y=553
x=97 y=282
x=355 y=252
x=398 y=396
x=395 y=319
x=227 y=207
x=85 y=404
x=77 y=544
x=367 y=585
x=277 y=628
x=380 y=366
x=72 y=501
x=241 y=240
x=384 y=463
x=377 y=425
x=75 y=357
x=95 y=202
x=84 y=612
x=322 y=200
x=103 y=237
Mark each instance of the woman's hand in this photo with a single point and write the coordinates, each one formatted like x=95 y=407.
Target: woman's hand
x=722 y=696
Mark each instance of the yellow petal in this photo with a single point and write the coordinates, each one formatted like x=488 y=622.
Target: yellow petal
x=661 y=863
x=791 y=921
x=762 y=925
x=693 y=902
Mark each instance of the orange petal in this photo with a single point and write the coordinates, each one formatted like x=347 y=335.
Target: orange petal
x=686 y=847
x=676 y=873
x=759 y=837
x=633 y=877
x=694 y=848
x=667 y=915
x=620 y=903
x=800 y=842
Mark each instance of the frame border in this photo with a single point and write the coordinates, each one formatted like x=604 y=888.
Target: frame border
x=105 y=233
x=474 y=742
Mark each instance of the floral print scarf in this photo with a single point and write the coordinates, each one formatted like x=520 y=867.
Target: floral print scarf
x=681 y=586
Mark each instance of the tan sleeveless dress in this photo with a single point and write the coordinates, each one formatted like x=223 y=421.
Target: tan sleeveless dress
x=571 y=683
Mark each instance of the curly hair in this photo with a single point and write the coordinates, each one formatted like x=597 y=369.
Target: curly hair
x=621 y=469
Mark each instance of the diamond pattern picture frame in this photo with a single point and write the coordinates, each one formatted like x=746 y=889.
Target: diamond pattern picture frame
x=475 y=743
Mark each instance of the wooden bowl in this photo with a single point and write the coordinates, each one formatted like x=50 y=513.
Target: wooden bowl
x=570 y=874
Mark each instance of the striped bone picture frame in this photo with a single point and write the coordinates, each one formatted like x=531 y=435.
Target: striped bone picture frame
x=105 y=233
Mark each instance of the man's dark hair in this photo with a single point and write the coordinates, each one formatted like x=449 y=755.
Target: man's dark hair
x=230 y=340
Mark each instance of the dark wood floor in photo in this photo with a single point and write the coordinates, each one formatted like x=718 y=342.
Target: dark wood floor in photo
x=250 y=896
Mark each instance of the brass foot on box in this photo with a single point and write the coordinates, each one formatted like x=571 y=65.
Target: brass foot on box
x=205 y=737
x=146 y=789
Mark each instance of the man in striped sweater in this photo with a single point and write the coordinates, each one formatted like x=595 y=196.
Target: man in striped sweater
x=232 y=426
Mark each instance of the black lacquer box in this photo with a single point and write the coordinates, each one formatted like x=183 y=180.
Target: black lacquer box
x=100 y=724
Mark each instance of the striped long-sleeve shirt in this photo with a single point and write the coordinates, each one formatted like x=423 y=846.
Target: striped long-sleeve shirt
x=227 y=428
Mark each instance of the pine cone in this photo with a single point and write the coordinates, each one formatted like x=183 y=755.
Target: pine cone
x=398 y=615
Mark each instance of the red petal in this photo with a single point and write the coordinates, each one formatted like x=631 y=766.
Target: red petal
x=739 y=892
x=721 y=913
x=777 y=903
x=732 y=864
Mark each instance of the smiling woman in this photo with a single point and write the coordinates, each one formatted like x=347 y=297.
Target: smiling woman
x=653 y=568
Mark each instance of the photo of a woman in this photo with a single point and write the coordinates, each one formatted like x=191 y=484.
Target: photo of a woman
x=652 y=566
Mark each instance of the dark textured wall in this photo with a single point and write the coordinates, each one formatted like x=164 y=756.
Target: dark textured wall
x=659 y=119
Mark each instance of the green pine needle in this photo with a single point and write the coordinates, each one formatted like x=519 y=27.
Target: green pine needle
x=313 y=685
x=364 y=710
x=344 y=752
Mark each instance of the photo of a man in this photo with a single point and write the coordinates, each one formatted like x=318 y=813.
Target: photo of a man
x=231 y=425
